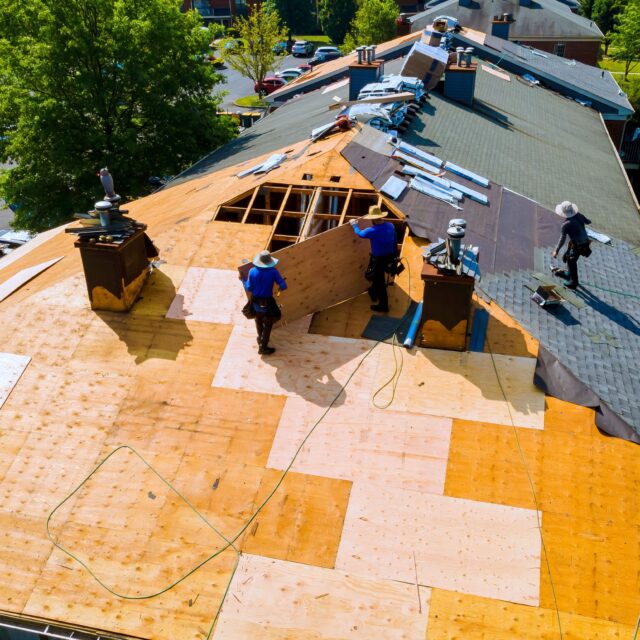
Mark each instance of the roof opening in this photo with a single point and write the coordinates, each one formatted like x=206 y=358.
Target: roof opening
x=334 y=179
x=307 y=176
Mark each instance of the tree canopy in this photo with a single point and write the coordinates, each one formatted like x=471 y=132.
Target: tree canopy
x=298 y=15
x=92 y=83
x=375 y=22
x=604 y=13
x=260 y=32
x=626 y=37
x=336 y=16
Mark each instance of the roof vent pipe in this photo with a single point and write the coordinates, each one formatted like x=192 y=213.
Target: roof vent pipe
x=468 y=52
x=369 y=55
x=360 y=52
x=373 y=53
x=459 y=54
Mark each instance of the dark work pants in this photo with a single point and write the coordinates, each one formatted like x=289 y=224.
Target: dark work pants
x=571 y=258
x=379 y=283
x=264 y=323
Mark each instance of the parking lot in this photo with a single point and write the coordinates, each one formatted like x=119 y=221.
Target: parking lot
x=238 y=86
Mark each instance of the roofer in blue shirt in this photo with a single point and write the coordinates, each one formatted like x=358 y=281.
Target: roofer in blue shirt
x=262 y=276
x=579 y=244
x=384 y=250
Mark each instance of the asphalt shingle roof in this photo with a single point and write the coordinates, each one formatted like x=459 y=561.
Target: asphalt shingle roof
x=544 y=18
x=536 y=143
x=599 y=343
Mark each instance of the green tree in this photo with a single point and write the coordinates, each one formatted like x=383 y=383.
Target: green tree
x=89 y=83
x=336 y=16
x=298 y=15
x=260 y=32
x=626 y=37
x=586 y=8
x=604 y=14
x=375 y=22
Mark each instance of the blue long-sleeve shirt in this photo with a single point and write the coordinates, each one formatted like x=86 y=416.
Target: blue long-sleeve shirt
x=260 y=281
x=382 y=238
x=574 y=227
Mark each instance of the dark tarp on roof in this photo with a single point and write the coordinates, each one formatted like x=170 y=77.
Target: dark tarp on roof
x=507 y=231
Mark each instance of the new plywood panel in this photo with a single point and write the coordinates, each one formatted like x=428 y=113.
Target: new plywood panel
x=595 y=567
x=364 y=444
x=209 y=295
x=11 y=368
x=312 y=367
x=458 y=615
x=461 y=545
x=464 y=385
x=322 y=271
x=571 y=473
x=225 y=244
x=317 y=604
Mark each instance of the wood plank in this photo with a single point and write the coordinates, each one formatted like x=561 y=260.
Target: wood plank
x=365 y=445
x=464 y=385
x=22 y=277
x=12 y=366
x=317 y=604
x=209 y=295
x=283 y=206
x=458 y=615
x=250 y=205
x=461 y=545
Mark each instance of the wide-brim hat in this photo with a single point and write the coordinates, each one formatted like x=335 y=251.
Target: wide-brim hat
x=375 y=213
x=567 y=209
x=264 y=260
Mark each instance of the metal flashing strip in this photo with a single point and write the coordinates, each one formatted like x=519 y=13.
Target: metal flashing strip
x=465 y=173
x=429 y=189
x=410 y=150
x=393 y=187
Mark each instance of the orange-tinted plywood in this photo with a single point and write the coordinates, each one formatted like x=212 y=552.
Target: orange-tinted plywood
x=457 y=616
x=463 y=385
x=595 y=567
x=364 y=444
x=572 y=474
x=317 y=604
x=224 y=244
x=461 y=545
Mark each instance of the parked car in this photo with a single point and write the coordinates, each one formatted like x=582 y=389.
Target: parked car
x=302 y=48
x=319 y=58
x=280 y=48
x=233 y=43
x=289 y=74
x=268 y=85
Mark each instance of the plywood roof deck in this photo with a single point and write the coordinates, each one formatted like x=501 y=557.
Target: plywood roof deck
x=414 y=521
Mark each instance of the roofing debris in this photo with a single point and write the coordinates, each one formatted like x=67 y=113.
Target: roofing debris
x=264 y=167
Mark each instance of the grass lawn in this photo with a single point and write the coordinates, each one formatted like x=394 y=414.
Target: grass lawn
x=616 y=65
x=251 y=102
x=317 y=40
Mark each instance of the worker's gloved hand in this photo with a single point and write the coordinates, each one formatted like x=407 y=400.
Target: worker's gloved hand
x=353 y=223
x=554 y=254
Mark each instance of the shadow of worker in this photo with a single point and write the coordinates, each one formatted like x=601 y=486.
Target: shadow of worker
x=144 y=329
x=611 y=314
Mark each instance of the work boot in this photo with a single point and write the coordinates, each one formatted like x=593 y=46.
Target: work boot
x=266 y=351
x=372 y=295
x=569 y=284
x=380 y=308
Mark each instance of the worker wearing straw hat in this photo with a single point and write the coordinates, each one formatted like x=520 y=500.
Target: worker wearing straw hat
x=384 y=249
x=579 y=245
x=262 y=277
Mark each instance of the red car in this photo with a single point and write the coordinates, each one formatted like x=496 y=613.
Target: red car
x=305 y=67
x=268 y=85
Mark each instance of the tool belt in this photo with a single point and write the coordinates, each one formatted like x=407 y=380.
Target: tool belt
x=267 y=306
x=388 y=264
x=582 y=249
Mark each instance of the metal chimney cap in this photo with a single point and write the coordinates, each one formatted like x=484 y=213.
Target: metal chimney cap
x=455 y=232
x=102 y=205
x=458 y=222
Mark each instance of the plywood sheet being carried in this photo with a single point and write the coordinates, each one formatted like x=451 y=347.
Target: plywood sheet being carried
x=322 y=271
x=364 y=444
x=309 y=366
x=209 y=295
x=318 y=604
x=461 y=545
x=464 y=385
x=11 y=368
